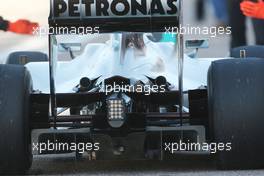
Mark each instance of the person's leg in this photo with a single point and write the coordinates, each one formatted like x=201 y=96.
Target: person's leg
x=238 y=23
x=200 y=10
x=221 y=11
x=259 y=31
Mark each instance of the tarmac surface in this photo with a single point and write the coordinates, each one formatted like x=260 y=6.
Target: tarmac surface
x=68 y=164
x=183 y=166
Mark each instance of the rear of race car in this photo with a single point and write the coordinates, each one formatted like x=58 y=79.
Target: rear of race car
x=115 y=91
x=120 y=94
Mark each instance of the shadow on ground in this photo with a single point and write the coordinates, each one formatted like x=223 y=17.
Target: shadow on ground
x=67 y=164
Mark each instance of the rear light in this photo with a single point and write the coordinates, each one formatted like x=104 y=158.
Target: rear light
x=116 y=109
x=116 y=112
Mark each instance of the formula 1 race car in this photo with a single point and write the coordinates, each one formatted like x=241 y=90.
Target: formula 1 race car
x=117 y=86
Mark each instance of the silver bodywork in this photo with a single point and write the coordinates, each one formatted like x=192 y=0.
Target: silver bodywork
x=107 y=59
x=111 y=57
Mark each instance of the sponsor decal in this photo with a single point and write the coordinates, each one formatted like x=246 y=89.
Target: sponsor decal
x=113 y=8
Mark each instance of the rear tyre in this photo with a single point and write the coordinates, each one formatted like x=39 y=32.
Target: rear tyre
x=251 y=51
x=15 y=138
x=236 y=104
x=24 y=57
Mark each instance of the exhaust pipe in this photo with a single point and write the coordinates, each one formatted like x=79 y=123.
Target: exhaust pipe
x=161 y=80
x=85 y=84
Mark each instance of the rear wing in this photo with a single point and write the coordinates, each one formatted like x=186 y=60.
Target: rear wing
x=115 y=15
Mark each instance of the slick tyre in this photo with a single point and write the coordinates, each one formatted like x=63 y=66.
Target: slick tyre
x=250 y=51
x=15 y=138
x=24 y=57
x=236 y=104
